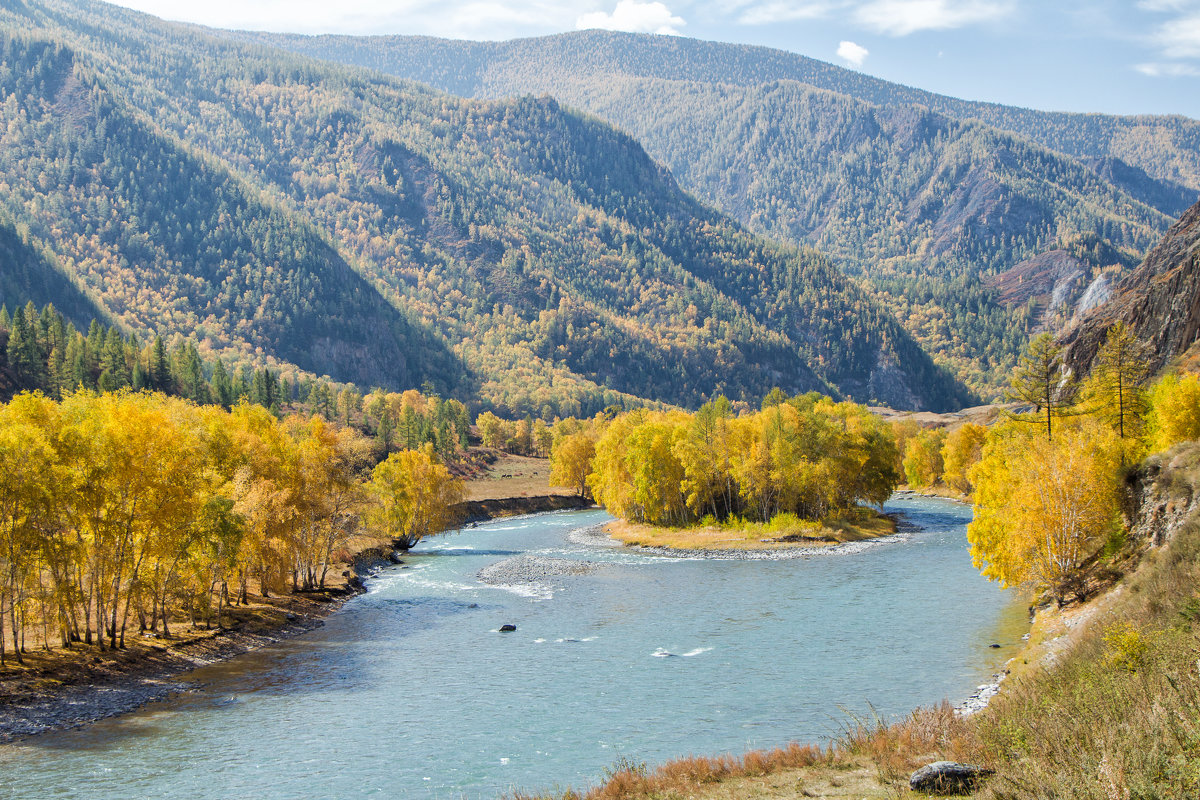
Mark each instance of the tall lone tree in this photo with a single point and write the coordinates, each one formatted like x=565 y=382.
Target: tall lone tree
x=1041 y=381
x=1118 y=372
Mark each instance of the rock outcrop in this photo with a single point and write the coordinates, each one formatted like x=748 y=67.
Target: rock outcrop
x=1159 y=301
x=1161 y=494
x=947 y=777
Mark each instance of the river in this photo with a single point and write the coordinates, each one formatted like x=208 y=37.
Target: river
x=410 y=691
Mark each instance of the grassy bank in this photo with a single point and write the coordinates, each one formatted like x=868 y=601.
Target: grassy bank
x=1113 y=709
x=509 y=476
x=782 y=532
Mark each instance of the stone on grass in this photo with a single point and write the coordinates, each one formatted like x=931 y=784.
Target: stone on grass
x=948 y=777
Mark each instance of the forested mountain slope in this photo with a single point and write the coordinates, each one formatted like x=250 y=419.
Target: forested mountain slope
x=926 y=205
x=1165 y=147
x=1159 y=302
x=349 y=223
x=28 y=273
x=170 y=240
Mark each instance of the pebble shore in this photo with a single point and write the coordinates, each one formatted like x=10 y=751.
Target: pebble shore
x=981 y=696
x=155 y=679
x=531 y=569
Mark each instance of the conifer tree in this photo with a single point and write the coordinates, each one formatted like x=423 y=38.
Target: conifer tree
x=160 y=370
x=1118 y=372
x=1041 y=381
x=222 y=385
x=23 y=352
x=385 y=432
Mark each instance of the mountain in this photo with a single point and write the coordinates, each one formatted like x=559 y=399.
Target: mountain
x=289 y=211
x=1159 y=301
x=928 y=198
x=1164 y=147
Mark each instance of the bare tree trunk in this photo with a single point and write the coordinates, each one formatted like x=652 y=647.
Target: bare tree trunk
x=221 y=597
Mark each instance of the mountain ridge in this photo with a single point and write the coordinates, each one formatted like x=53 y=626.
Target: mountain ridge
x=1078 y=134
x=926 y=207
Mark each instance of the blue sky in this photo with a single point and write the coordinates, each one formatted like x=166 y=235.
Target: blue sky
x=1139 y=56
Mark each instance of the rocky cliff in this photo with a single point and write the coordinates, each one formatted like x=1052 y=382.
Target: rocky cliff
x=1159 y=301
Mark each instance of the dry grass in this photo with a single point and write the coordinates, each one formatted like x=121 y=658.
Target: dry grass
x=1116 y=714
x=871 y=760
x=781 y=533
x=927 y=735
x=843 y=781
x=980 y=415
x=695 y=775
x=513 y=476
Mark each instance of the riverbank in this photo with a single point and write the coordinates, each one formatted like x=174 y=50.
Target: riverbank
x=551 y=680
x=59 y=689
x=472 y=512
x=62 y=689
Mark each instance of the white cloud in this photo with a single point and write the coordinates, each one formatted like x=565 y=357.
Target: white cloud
x=1175 y=70
x=1180 y=38
x=768 y=13
x=902 y=17
x=634 y=16
x=853 y=53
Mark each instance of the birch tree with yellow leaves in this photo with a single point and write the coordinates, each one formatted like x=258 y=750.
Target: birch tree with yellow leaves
x=414 y=496
x=1044 y=506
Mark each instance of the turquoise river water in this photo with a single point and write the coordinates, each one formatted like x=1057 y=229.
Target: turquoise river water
x=410 y=691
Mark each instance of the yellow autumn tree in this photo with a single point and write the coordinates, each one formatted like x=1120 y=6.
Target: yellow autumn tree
x=704 y=450
x=258 y=465
x=656 y=472
x=962 y=450
x=327 y=491
x=414 y=496
x=610 y=479
x=1174 y=415
x=923 y=465
x=571 y=462
x=27 y=482
x=1043 y=506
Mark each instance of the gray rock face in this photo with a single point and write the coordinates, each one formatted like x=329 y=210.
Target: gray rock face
x=947 y=777
x=1159 y=301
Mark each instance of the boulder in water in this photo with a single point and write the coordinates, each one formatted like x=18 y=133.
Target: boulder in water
x=947 y=777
